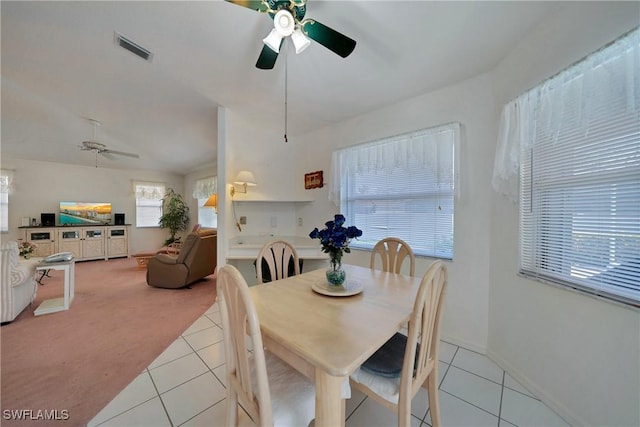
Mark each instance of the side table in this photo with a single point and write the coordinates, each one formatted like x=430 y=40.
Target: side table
x=62 y=303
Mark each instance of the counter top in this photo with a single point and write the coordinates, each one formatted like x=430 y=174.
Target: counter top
x=247 y=247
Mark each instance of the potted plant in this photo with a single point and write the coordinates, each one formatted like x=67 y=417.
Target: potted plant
x=175 y=215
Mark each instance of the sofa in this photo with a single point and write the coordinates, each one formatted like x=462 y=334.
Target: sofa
x=196 y=260
x=17 y=281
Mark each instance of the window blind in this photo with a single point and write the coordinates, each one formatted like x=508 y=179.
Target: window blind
x=148 y=203
x=580 y=176
x=5 y=185
x=401 y=187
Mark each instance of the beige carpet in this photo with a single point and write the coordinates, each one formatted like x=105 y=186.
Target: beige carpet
x=72 y=363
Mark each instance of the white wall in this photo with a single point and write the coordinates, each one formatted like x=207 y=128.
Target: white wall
x=471 y=104
x=257 y=145
x=40 y=186
x=579 y=354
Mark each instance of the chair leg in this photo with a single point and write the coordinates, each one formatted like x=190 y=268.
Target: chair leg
x=434 y=400
x=404 y=411
x=232 y=409
x=404 y=418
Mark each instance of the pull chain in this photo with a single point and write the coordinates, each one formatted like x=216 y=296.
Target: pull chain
x=286 y=79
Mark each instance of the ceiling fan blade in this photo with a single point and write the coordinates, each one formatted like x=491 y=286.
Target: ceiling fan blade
x=107 y=155
x=267 y=58
x=329 y=38
x=258 y=5
x=120 y=153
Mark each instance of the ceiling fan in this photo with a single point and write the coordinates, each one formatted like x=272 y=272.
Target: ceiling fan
x=288 y=20
x=100 y=148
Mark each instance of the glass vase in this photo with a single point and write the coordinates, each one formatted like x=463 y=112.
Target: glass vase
x=336 y=274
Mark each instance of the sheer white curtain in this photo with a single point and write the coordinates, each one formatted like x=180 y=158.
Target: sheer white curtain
x=6 y=181
x=205 y=187
x=400 y=152
x=573 y=98
x=148 y=190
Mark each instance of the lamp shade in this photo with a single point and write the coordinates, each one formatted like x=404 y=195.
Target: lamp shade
x=212 y=201
x=300 y=41
x=273 y=40
x=245 y=178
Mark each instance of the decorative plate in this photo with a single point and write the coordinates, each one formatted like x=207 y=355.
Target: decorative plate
x=347 y=289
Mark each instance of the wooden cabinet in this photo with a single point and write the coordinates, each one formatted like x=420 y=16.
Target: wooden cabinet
x=44 y=239
x=118 y=242
x=69 y=241
x=85 y=242
x=93 y=243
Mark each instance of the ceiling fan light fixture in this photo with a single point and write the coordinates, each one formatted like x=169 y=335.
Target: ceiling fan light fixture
x=273 y=40
x=284 y=23
x=300 y=41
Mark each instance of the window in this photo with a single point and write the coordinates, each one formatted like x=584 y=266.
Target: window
x=402 y=187
x=5 y=188
x=203 y=189
x=148 y=203
x=580 y=175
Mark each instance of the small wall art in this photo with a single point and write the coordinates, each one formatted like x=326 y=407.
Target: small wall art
x=313 y=180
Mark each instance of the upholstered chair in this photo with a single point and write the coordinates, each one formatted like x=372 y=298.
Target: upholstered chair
x=196 y=260
x=18 y=281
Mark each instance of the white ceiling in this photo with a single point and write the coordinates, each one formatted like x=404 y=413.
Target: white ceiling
x=60 y=66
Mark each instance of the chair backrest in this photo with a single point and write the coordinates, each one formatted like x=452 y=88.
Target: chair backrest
x=280 y=258
x=424 y=327
x=240 y=320
x=392 y=253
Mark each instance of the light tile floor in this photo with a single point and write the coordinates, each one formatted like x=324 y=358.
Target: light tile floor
x=185 y=386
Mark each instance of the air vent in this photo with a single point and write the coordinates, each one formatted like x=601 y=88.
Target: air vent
x=132 y=47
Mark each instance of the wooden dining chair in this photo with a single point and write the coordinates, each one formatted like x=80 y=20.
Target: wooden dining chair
x=395 y=373
x=392 y=253
x=280 y=260
x=270 y=391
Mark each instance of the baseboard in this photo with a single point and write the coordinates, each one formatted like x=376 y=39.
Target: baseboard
x=561 y=410
x=463 y=343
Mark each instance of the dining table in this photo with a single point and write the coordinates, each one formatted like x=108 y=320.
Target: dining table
x=327 y=335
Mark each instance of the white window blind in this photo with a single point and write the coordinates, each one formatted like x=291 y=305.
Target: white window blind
x=401 y=187
x=580 y=175
x=5 y=188
x=148 y=203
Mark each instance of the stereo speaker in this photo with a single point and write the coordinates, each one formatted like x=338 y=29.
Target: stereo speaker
x=119 y=219
x=47 y=219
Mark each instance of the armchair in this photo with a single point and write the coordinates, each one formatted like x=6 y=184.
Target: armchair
x=17 y=282
x=196 y=260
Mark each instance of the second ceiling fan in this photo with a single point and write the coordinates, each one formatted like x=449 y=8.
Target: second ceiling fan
x=288 y=21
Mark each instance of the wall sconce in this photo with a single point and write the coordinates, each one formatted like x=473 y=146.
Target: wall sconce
x=212 y=202
x=243 y=180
